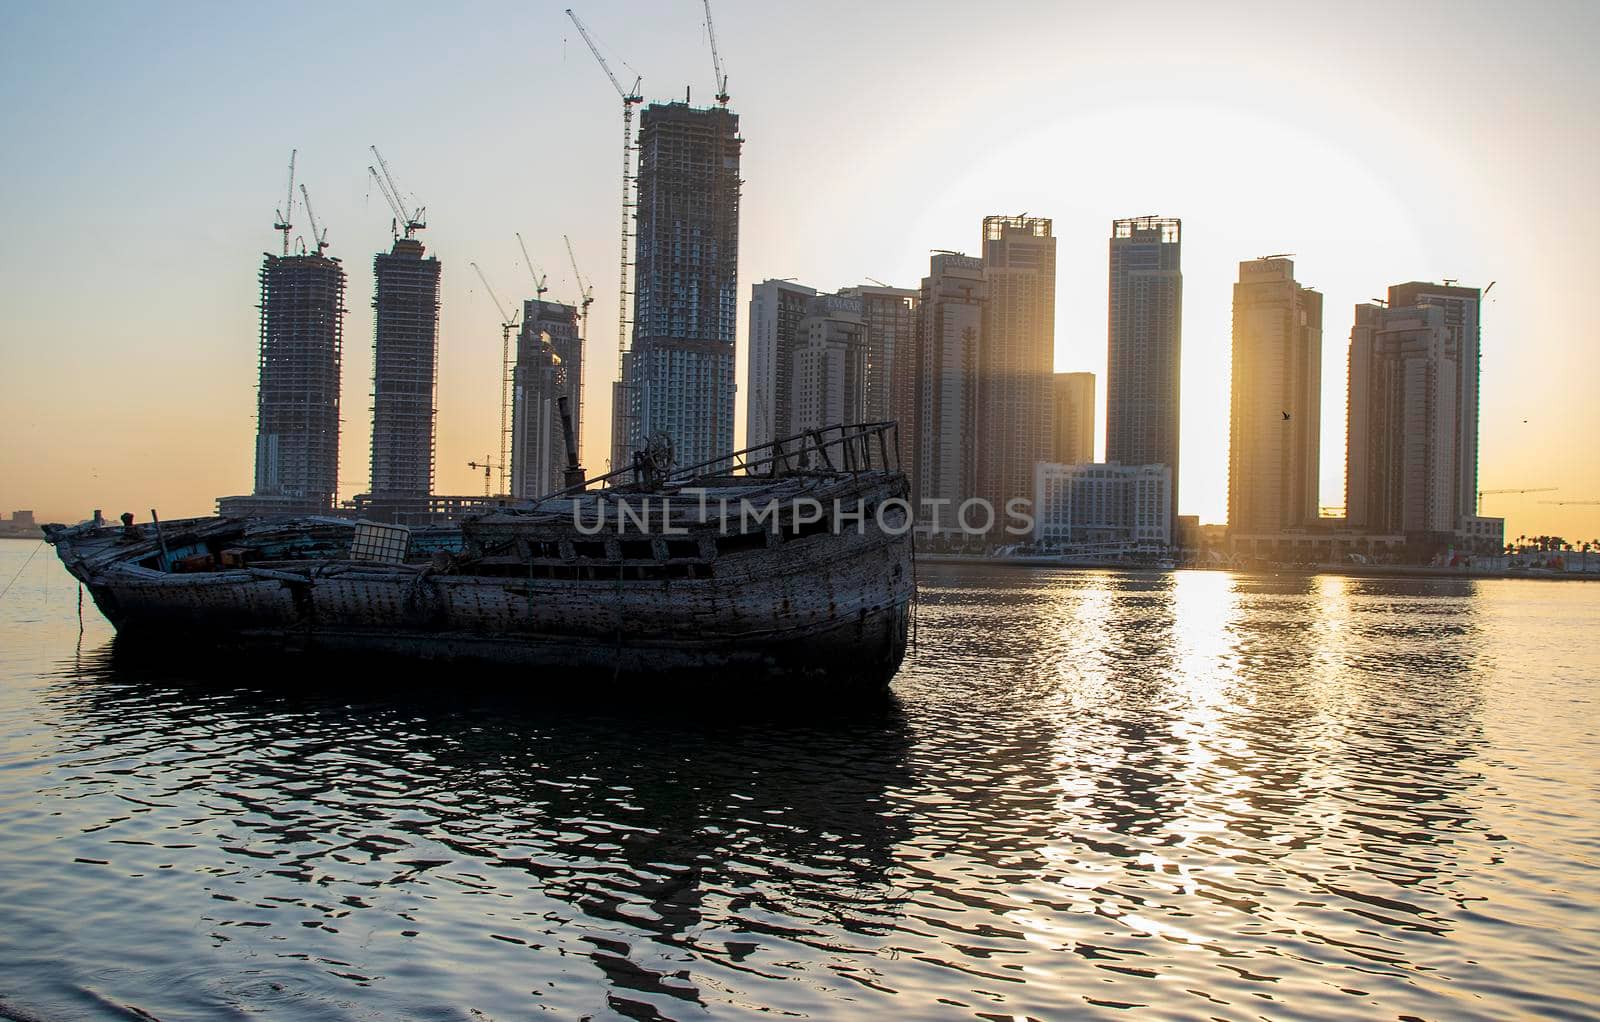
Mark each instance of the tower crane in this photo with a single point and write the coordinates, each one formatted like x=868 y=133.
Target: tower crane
x=413 y=221
x=1572 y=503
x=486 y=466
x=282 y=222
x=585 y=289
x=1531 y=489
x=585 y=299
x=539 y=278
x=319 y=235
x=716 y=60
x=630 y=99
x=508 y=323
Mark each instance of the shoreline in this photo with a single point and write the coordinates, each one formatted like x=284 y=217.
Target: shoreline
x=1342 y=570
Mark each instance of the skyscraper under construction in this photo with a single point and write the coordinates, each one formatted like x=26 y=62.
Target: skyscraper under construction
x=678 y=377
x=297 y=408
x=549 y=365
x=405 y=370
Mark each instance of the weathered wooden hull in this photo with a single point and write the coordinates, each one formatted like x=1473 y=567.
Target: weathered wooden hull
x=830 y=607
x=847 y=625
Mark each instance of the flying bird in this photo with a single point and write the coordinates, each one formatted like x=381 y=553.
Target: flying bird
x=1285 y=416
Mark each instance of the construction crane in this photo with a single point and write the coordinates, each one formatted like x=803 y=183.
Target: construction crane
x=537 y=274
x=716 y=59
x=508 y=323
x=585 y=289
x=1531 y=489
x=1574 y=503
x=282 y=222
x=319 y=235
x=630 y=99
x=585 y=299
x=413 y=221
x=487 y=466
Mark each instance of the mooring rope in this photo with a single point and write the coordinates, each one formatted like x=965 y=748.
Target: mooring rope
x=20 y=570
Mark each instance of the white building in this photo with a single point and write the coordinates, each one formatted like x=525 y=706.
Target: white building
x=1099 y=504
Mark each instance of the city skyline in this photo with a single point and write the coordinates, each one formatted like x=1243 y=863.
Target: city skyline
x=1377 y=226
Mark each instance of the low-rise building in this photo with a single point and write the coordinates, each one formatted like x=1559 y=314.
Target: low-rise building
x=1100 y=504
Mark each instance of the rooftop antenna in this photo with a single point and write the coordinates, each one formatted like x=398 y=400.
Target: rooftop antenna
x=282 y=222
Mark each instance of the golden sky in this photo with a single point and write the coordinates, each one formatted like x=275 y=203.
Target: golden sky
x=1379 y=143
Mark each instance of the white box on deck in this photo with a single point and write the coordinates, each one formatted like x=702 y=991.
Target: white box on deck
x=380 y=544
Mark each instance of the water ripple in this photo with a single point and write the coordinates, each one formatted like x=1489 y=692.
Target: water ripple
x=1193 y=795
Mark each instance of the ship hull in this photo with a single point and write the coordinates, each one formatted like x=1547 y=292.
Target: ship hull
x=830 y=606
x=788 y=561
x=844 y=627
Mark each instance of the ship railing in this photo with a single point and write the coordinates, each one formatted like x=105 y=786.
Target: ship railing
x=829 y=450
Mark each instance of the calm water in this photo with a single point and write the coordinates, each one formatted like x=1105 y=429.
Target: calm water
x=1189 y=795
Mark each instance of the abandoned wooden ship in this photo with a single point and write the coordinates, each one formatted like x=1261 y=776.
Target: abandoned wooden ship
x=792 y=559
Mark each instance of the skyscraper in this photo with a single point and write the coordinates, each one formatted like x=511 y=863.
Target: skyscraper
x=828 y=384
x=297 y=408
x=1412 y=414
x=1146 y=344
x=548 y=352
x=679 y=372
x=1016 y=361
x=1274 y=445
x=890 y=316
x=776 y=309
x=405 y=370
x=949 y=338
x=1461 y=307
x=1073 y=397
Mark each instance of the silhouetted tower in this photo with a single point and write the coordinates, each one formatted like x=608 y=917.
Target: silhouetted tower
x=405 y=369
x=302 y=348
x=949 y=340
x=297 y=408
x=1145 y=353
x=1016 y=363
x=405 y=352
x=1275 y=422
